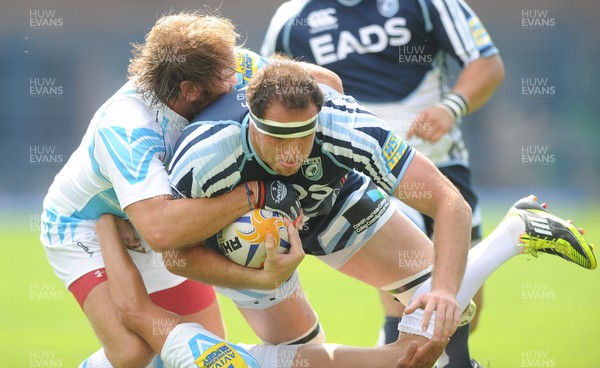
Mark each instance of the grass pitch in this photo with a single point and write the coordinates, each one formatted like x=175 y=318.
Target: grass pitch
x=537 y=313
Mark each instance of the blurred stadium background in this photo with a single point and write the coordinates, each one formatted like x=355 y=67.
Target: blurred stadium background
x=541 y=140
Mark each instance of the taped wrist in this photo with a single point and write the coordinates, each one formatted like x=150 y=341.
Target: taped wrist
x=455 y=104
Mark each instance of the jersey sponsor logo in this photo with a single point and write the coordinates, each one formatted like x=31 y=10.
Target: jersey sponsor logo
x=388 y=8
x=374 y=204
x=221 y=355
x=393 y=150
x=133 y=152
x=541 y=226
x=312 y=168
x=278 y=191
x=480 y=34
x=322 y=20
x=375 y=195
x=247 y=64
x=372 y=38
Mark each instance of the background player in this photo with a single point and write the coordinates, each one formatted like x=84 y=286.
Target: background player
x=286 y=129
x=187 y=60
x=391 y=56
x=184 y=344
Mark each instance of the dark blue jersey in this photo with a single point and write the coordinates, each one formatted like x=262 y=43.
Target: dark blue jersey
x=406 y=39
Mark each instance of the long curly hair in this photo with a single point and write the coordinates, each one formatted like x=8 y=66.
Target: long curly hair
x=187 y=46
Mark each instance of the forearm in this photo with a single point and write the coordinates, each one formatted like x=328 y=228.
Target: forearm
x=452 y=229
x=451 y=214
x=126 y=285
x=325 y=76
x=167 y=223
x=479 y=80
x=129 y=296
x=203 y=264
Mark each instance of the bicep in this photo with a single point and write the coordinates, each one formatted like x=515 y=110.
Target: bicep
x=423 y=186
x=138 y=211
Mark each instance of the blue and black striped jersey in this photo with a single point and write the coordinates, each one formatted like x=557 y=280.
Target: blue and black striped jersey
x=214 y=154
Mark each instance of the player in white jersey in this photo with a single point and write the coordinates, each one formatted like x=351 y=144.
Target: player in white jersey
x=286 y=126
x=119 y=169
x=391 y=56
x=182 y=344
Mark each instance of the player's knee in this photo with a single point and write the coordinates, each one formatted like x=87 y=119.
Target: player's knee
x=130 y=352
x=128 y=311
x=315 y=335
x=403 y=290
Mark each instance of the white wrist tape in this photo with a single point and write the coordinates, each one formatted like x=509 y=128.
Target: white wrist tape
x=456 y=104
x=412 y=324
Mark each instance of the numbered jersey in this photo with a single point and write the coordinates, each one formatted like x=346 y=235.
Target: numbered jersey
x=390 y=54
x=214 y=153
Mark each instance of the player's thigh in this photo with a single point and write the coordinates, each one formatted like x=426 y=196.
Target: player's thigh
x=268 y=311
x=123 y=348
x=195 y=301
x=396 y=251
x=273 y=324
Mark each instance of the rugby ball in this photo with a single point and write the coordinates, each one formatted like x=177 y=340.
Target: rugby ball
x=244 y=241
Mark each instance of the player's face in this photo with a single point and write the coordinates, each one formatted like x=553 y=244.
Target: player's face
x=284 y=155
x=228 y=80
x=223 y=84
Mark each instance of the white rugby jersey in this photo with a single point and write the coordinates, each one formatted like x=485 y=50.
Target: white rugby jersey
x=390 y=54
x=121 y=160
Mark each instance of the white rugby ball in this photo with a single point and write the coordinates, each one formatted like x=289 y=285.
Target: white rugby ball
x=244 y=241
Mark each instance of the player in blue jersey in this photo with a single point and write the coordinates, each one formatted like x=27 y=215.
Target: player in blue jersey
x=183 y=344
x=344 y=162
x=391 y=56
x=187 y=60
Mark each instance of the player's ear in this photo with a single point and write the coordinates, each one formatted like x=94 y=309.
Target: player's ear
x=190 y=91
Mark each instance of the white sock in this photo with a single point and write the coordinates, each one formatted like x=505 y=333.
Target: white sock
x=96 y=360
x=485 y=258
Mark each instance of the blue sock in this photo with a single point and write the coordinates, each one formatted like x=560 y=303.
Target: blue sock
x=390 y=329
x=457 y=350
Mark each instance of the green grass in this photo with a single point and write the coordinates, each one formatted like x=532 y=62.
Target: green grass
x=538 y=313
